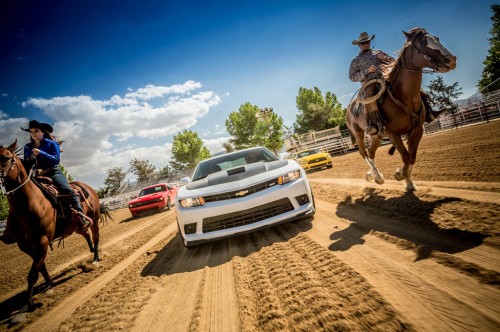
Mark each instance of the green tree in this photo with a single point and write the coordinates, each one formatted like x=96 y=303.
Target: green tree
x=491 y=70
x=252 y=126
x=187 y=150
x=442 y=95
x=317 y=112
x=142 y=169
x=65 y=172
x=115 y=177
x=165 y=172
x=228 y=147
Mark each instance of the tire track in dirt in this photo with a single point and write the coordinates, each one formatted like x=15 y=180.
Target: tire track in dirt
x=298 y=285
x=184 y=299
x=431 y=296
x=64 y=265
x=66 y=307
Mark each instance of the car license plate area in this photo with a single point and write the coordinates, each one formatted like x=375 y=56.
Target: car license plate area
x=248 y=216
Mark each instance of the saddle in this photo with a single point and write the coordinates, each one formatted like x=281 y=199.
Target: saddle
x=66 y=212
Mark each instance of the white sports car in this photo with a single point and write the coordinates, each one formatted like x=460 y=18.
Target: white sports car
x=240 y=192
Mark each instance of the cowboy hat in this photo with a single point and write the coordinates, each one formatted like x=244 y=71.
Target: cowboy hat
x=42 y=126
x=363 y=37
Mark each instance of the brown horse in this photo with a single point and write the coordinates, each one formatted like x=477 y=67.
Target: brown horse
x=402 y=109
x=32 y=218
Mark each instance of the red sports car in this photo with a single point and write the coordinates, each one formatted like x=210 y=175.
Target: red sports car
x=156 y=197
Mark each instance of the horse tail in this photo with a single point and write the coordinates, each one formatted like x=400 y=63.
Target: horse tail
x=105 y=213
x=392 y=150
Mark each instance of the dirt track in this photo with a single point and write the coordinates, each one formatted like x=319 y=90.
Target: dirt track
x=373 y=258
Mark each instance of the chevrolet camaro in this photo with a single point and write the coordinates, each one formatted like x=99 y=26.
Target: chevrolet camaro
x=240 y=192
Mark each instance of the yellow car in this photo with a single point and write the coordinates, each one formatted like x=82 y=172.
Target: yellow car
x=313 y=158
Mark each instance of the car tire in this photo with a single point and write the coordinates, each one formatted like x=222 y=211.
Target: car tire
x=329 y=166
x=169 y=204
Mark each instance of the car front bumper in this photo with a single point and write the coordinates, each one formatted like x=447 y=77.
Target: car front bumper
x=222 y=219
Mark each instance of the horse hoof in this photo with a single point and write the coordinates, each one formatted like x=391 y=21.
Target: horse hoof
x=19 y=318
x=379 y=180
x=398 y=176
x=411 y=188
x=96 y=263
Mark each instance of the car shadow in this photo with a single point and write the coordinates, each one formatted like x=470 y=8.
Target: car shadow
x=375 y=213
x=175 y=258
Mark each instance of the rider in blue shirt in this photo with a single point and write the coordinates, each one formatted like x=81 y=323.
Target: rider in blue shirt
x=46 y=150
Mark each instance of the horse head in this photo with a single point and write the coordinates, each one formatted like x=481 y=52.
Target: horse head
x=427 y=52
x=11 y=167
x=7 y=159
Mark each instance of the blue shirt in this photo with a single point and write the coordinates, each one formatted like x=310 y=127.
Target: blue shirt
x=49 y=155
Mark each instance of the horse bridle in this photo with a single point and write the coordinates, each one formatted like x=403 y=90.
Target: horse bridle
x=425 y=56
x=6 y=172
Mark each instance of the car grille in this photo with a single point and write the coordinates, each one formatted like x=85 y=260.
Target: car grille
x=316 y=160
x=241 y=192
x=247 y=217
x=147 y=202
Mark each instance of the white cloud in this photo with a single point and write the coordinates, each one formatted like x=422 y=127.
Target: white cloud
x=92 y=129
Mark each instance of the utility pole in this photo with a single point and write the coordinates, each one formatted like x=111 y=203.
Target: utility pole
x=263 y=113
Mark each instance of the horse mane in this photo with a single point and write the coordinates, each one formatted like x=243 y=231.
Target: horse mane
x=389 y=70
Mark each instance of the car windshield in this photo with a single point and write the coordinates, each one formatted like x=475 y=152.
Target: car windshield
x=306 y=153
x=232 y=160
x=152 y=190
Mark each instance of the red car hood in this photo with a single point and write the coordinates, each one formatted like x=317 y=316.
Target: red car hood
x=145 y=198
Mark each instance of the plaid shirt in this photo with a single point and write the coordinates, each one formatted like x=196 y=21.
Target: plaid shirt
x=358 y=71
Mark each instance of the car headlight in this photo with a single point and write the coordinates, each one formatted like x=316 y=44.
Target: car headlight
x=292 y=176
x=192 y=202
x=302 y=161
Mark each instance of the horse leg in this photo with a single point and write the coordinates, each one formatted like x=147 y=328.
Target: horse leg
x=401 y=173
x=38 y=253
x=375 y=144
x=360 y=140
x=413 y=143
x=95 y=238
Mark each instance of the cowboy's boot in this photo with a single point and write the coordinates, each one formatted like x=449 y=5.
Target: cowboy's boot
x=430 y=115
x=374 y=124
x=84 y=221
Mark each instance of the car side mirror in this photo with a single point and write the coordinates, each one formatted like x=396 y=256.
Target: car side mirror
x=185 y=180
x=284 y=155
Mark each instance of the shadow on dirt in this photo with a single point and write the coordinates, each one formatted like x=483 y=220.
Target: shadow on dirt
x=17 y=302
x=405 y=218
x=175 y=258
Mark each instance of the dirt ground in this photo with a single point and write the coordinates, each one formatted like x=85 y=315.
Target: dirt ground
x=373 y=258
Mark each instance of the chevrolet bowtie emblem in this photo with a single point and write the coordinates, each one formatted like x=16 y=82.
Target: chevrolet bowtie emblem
x=241 y=193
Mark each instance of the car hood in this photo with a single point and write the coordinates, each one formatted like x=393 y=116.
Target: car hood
x=237 y=177
x=146 y=198
x=315 y=156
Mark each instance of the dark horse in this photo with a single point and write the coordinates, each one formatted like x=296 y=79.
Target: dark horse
x=32 y=218
x=402 y=109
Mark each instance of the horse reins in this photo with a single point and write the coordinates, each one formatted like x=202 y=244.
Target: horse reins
x=10 y=168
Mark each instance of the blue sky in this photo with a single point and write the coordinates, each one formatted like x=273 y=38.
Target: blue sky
x=118 y=79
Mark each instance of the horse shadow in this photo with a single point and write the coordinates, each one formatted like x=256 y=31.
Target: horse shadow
x=374 y=213
x=17 y=303
x=175 y=258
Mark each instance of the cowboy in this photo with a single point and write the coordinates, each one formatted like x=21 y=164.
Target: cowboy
x=45 y=148
x=366 y=66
